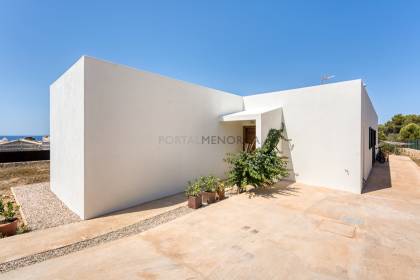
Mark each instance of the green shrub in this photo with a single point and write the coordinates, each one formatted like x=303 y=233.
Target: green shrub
x=193 y=189
x=390 y=149
x=258 y=168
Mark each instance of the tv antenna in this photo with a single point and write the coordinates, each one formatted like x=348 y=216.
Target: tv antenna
x=326 y=78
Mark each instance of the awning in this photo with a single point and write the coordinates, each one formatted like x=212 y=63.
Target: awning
x=247 y=115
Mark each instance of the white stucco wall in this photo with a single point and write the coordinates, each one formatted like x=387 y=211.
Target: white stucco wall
x=120 y=137
x=67 y=137
x=369 y=119
x=323 y=123
x=269 y=120
x=130 y=119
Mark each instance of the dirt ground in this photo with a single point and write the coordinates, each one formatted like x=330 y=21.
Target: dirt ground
x=13 y=174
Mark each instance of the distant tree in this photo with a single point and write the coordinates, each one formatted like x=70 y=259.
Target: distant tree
x=410 y=132
x=381 y=133
x=391 y=129
x=395 y=124
x=412 y=119
x=29 y=138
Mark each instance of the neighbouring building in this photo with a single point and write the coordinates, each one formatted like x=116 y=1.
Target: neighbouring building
x=25 y=149
x=169 y=132
x=20 y=145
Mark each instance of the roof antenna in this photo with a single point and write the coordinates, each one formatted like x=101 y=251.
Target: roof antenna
x=325 y=78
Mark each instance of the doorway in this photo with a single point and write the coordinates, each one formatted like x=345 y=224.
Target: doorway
x=372 y=143
x=249 y=138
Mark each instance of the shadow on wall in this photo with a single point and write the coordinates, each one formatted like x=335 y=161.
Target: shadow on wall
x=379 y=178
x=286 y=151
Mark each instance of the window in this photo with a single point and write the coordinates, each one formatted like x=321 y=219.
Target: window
x=372 y=137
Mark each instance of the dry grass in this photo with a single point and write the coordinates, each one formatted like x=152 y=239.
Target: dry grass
x=22 y=174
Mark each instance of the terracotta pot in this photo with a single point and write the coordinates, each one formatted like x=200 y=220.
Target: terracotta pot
x=194 y=202
x=9 y=229
x=221 y=194
x=209 y=197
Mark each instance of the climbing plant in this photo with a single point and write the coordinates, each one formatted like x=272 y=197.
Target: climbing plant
x=259 y=168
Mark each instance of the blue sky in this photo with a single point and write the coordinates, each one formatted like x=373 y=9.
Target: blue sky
x=244 y=47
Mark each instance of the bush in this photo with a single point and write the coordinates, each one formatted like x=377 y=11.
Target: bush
x=390 y=149
x=258 y=168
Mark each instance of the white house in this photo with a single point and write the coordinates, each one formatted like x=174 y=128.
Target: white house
x=120 y=137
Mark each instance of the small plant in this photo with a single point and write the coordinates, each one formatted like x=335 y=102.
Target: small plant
x=193 y=192
x=8 y=212
x=209 y=183
x=220 y=186
x=221 y=190
x=193 y=189
x=8 y=222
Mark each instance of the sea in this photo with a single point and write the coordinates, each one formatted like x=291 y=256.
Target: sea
x=17 y=137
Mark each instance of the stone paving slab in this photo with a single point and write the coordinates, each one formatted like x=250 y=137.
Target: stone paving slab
x=126 y=231
x=275 y=234
x=23 y=245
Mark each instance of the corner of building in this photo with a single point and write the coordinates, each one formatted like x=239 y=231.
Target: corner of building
x=67 y=137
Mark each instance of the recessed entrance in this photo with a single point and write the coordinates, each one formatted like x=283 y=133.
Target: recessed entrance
x=249 y=143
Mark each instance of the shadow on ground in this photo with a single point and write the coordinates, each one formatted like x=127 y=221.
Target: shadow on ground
x=379 y=178
x=155 y=204
x=285 y=188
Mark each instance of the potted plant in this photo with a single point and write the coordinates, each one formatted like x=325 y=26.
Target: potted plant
x=8 y=220
x=193 y=192
x=209 y=187
x=220 y=190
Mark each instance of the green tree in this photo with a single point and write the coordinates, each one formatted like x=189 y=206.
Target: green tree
x=392 y=128
x=381 y=133
x=410 y=132
x=412 y=119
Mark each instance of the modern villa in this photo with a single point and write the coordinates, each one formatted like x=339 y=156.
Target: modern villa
x=172 y=131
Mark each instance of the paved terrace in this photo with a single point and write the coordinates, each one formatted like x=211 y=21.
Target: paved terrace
x=291 y=232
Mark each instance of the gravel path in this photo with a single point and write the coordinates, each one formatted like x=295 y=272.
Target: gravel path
x=41 y=208
x=114 y=235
